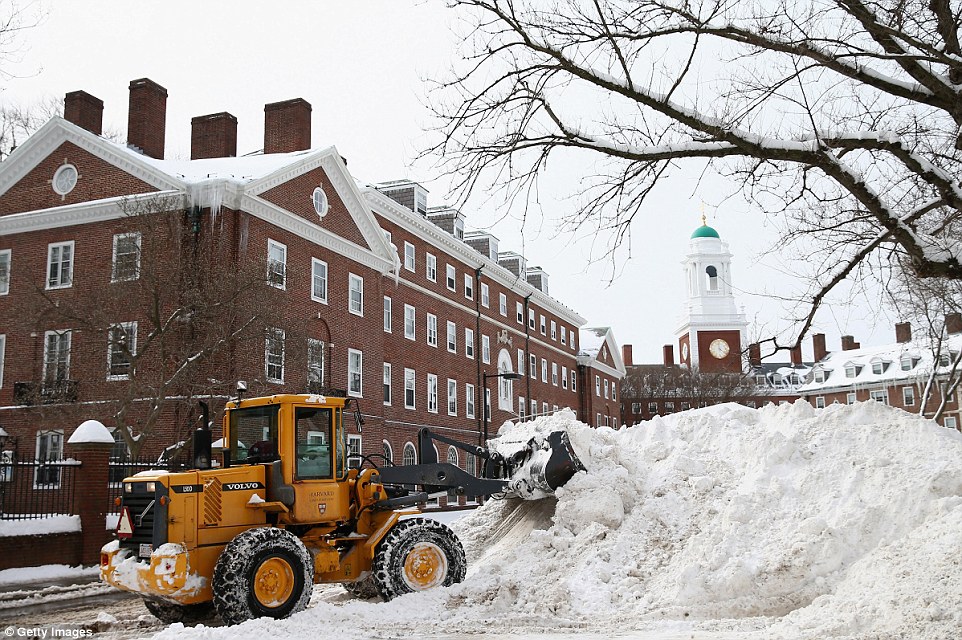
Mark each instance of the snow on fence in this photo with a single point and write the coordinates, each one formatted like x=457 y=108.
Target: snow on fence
x=33 y=489
x=121 y=468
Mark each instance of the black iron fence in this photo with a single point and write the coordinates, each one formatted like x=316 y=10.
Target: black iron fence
x=33 y=489
x=121 y=468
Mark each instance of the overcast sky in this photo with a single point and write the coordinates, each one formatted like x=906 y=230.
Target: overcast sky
x=363 y=66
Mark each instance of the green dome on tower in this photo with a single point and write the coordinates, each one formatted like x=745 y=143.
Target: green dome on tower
x=704 y=231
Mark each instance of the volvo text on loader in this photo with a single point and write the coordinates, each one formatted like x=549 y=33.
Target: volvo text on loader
x=284 y=511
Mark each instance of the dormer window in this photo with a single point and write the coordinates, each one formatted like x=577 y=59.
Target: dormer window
x=852 y=370
x=794 y=379
x=777 y=379
x=879 y=366
x=907 y=363
x=820 y=375
x=944 y=360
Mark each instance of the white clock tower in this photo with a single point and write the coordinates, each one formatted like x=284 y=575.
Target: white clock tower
x=712 y=331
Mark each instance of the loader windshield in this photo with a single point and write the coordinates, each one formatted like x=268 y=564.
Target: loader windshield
x=253 y=434
x=314 y=443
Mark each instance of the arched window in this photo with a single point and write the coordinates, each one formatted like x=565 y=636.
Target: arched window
x=469 y=464
x=505 y=386
x=388 y=451
x=410 y=455
x=712 y=278
x=452 y=456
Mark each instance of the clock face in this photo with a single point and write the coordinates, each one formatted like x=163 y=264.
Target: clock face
x=718 y=348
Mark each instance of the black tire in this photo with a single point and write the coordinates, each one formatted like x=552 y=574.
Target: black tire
x=266 y=572
x=416 y=555
x=364 y=589
x=169 y=613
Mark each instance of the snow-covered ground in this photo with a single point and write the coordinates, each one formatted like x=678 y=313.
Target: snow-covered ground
x=726 y=522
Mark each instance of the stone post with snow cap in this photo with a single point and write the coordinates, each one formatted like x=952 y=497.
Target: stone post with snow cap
x=90 y=445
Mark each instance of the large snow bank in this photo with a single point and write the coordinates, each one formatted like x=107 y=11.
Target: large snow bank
x=802 y=523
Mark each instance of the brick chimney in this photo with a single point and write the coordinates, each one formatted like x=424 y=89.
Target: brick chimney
x=147 y=117
x=626 y=354
x=796 y=355
x=953 y=323
x=903 y=332
x=287 y=126
x=754 y=355
x=213 y=136
x=84 y=110
x=848 y=343
x=818 y=345
x=668 y=353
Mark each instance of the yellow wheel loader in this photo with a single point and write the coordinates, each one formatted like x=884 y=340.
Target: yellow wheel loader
x=251 y=537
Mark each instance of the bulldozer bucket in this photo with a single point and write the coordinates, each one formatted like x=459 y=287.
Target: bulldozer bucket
x=541 y=466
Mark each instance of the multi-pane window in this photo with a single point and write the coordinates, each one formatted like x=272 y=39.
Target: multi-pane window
x=469 y=342
x=564 y=335
x=409 y=388
x=850 y=371
x=669 y=407
x=452 y=337
x=950 y=422
x=533 y=366
x=485 y=349
x=554 y=330
x=598 y=386
x=353 y=452
x=574 y=381
x=432 y=329
x=543 y=326
x=274 y=355
x=906 y=363
x=432 y=393
x=819 y=402
x=356 y=295
x=652 y=408
x=122 y=346
x=564 y=377
x=318 y=280
x=469 y=400
x=554 y=373
x=636 y=408
x=614 y=394
x=56 y=357
x=387 y=314
x=355 y=368
x=451 y=278
x=534 y=407
x=850 y=398
x=877 y=367
x=531 y=319
x=315 y=362
x=409 y=454
x=387 y=451
x=485 y=295
x=520 y=309
x=503 y=304
x=409 y=256
x=452 y=456
x=431 y=267
x=521 y=362
x=126 y=259
x=452 y=397
x=522 y=405
x=468 y=286
x=544 y=370
x=5 y=271
x=881 y=395
x=387 y=383
x=60 y=265
x=276 y=264
x=908 y=396
x=606 y=388
x=409 y=313
x=49 y=448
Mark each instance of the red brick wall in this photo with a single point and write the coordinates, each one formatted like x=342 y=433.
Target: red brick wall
x=36 y=551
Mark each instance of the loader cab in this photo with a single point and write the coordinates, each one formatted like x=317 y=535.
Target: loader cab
x=302 y=440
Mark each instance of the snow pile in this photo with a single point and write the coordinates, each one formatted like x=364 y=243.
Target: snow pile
x=790 y=521
x=40 y=526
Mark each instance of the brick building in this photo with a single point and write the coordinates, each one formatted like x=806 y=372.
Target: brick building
x=373 y=292
x=896 y=374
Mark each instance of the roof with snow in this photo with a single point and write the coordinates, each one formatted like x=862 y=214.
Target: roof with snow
x=597 y=348
x=885 y=364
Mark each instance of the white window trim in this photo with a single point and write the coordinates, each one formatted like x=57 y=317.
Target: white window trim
x=386 y=382
x=353 y=279
x=451 y=277
x=274 y=333
x=412 y=255
x=359 y=393
x=469 y=400
x=452 y=337
x=431 y=267
x=410 y=375
x=486 y=349
x=113 y=262
x=485 y=295
x=519 y=308
x=46 y=347
x=318 y=346
x=431 y=330
x=503 y=304
x=73 y=260
x=131 y=330
x=388 y=315
x=432 y=381
x=270 y=265
x=314 y=264
x=906 y=392
x=7 y=256
x=452 y=384
x=469 y=342
x=410 y=313
x=468 y=286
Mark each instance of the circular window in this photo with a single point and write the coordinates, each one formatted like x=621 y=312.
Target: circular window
x=320 y=202
x=65 y=179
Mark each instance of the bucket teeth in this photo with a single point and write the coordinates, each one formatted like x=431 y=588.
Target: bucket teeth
x=541 y=467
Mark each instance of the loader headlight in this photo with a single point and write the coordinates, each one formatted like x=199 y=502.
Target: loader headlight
x=151 y=487
x=128 y=488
